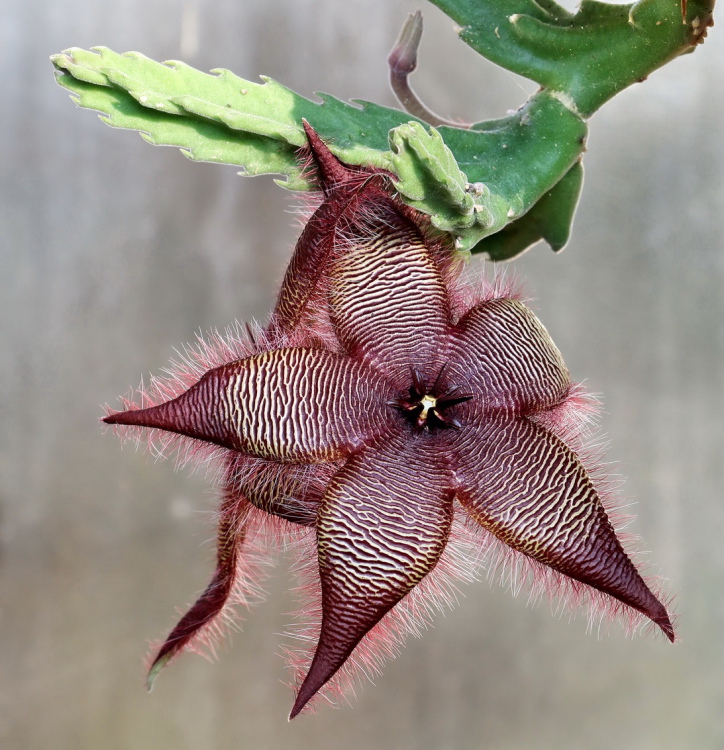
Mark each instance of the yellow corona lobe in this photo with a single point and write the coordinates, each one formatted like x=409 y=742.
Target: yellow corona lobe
x=428 y=403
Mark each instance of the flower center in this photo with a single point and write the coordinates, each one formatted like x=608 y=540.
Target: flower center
x=428 y=403
x=425 y=406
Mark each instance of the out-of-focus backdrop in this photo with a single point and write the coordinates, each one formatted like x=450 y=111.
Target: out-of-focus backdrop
x=114 y=252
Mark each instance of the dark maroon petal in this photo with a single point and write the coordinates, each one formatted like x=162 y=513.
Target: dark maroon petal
x=504 y=352
x=294 y=501
x=209 y=605
x=297 y=405
x=289 y=491
x=523 y=484
x=330 y=170
x=382 y=526
x=344 y=188
x=387 y=297
x=311 y=258
x=307 y=265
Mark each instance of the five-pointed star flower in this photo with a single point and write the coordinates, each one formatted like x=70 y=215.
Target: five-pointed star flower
x=384 y=398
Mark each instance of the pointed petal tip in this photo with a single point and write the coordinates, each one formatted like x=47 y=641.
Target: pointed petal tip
x=667 y=627
x=165 y=416
x=135 y=417
x=159 y=663
x=296 y=710
x=305 y=694
x=649 y=605
x=658 y=614
x=308 y=129
x=330 y=169
x=318 y=146
x=321 y=671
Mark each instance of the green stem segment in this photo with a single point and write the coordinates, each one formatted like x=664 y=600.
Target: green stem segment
x=590 y=55
x=497 y=186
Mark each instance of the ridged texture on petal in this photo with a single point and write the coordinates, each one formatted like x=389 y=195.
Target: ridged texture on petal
x=344 y=190
x=388 y=302
x=362 y=412
x=382 y=526
x=504 y=352
x=289 y=405
x=523 y=484
x=310 y=259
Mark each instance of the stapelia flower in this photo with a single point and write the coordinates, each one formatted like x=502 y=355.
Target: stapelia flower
x=384 y=399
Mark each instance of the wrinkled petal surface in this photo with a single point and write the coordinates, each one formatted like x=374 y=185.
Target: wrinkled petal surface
x=296 y=405
x=372 y=445
x=310 y=258
x=344 y=188
x=382 y=526
x=387 y=298
x=503 y=352
x=523 y=484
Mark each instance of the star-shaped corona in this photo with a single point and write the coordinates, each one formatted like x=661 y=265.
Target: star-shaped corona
x=385 y=402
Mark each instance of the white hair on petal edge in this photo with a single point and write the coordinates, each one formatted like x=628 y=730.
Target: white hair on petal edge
x=192 y=361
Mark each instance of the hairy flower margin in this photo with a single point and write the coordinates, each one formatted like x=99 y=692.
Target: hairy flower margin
x=403 y=427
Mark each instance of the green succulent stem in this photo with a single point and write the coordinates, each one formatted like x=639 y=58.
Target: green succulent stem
x=589 y=56
x=496 y=186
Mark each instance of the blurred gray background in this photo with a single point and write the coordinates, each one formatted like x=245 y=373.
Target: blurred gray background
x=114 y=252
